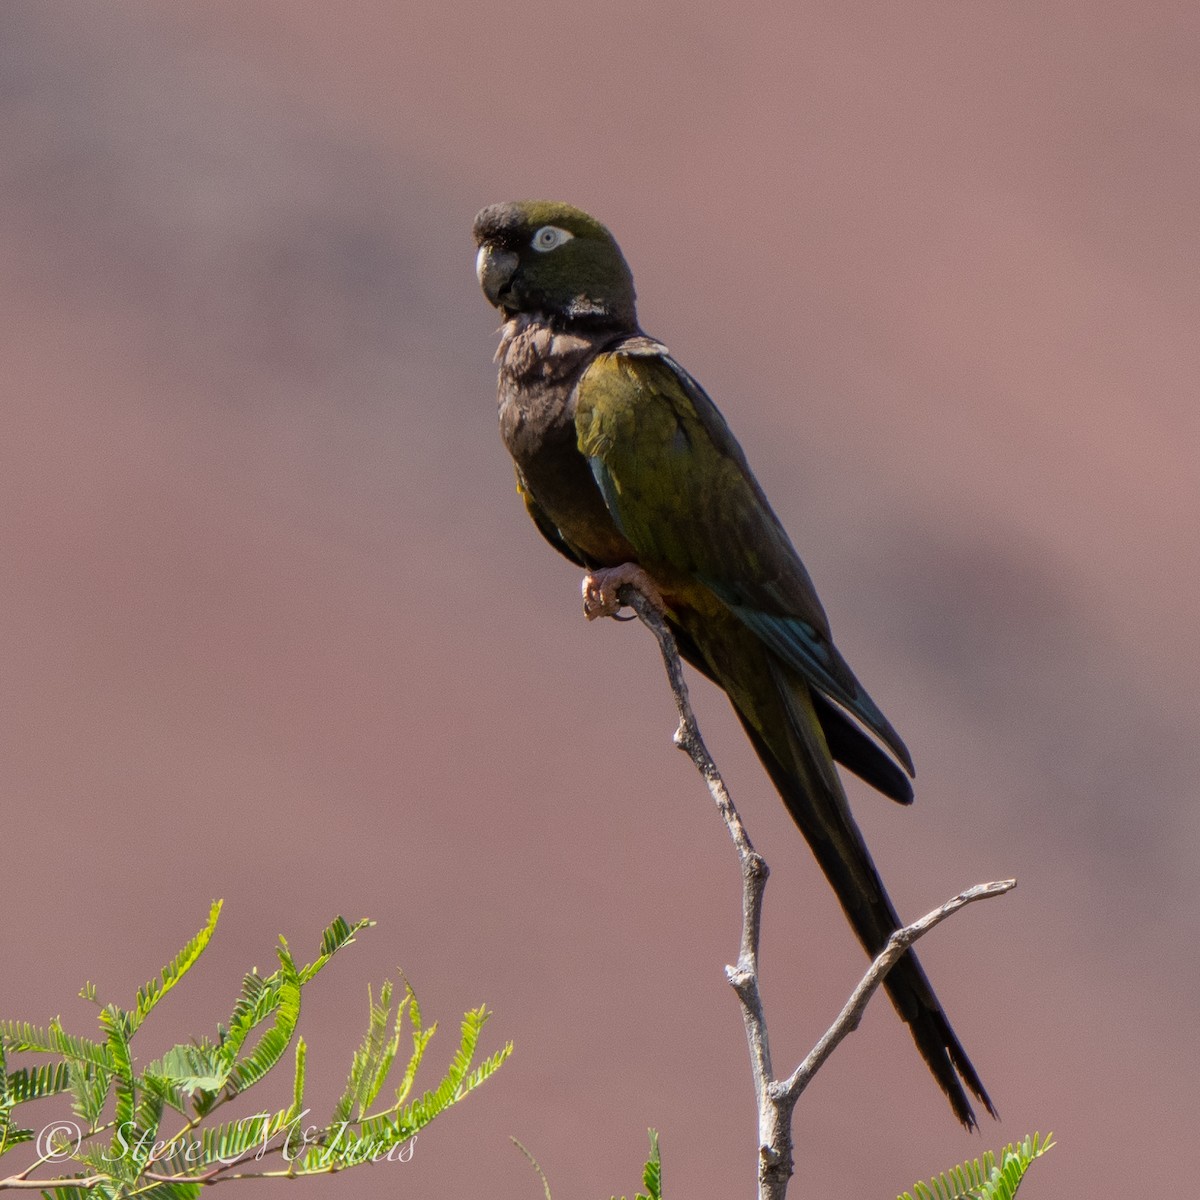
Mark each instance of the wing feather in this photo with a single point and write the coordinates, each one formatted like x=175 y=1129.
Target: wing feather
x=681 y=491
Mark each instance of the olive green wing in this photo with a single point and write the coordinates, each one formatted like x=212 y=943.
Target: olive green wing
x=679 y=488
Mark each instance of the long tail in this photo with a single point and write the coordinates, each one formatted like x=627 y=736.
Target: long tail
x=813 y=793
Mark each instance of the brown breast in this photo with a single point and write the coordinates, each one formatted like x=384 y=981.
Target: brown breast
x=539 y=368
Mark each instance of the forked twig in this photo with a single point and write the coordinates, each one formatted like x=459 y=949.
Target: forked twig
x=776 y=1099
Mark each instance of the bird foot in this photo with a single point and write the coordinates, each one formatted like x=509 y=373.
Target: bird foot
x=600 y=590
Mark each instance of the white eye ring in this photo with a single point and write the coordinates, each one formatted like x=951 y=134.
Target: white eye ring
x=550 y=237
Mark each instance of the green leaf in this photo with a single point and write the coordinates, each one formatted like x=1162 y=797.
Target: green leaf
x=982 y=1179
x=374 y=1057
x=419 y=1113
x=485 y=1070
x=174 y=971
x=260 y=995
x=146 y=1123
x=339 y=934
x=34 y=1083
x=195 y=1077
x=420 y=1039
x=381 y=1065
x=226 y=1143
x=273 y=1044
x=115 y=1021
x=472 y=1025
x=192 y=1068
x=21 y=1036
x=167 y=1090
x=651 y=1172
x=346 y=1142
x=89 y=1089
x=257 y=1001
x=170 y=1191
x=298 y=1080
x=12 y=1135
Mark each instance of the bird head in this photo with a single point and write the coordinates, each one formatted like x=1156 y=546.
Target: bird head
x=540 y=256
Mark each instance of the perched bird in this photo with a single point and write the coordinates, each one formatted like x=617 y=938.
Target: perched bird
x=628 y=469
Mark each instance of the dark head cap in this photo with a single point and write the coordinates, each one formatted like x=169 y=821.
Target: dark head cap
x=544 y=256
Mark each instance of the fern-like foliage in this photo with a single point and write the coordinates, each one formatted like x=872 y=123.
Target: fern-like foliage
x=651 y=1173
x=984 y=1178
x=172 y=973
x=119 y=1145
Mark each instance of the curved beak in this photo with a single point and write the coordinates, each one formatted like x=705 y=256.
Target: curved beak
x=495 y=269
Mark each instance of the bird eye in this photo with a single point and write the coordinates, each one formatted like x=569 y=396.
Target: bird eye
x=549 y=237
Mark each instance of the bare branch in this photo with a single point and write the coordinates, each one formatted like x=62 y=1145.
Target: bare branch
x=850 y=1016
x=537 y=1166
x=776 y=1101
x=744 y=976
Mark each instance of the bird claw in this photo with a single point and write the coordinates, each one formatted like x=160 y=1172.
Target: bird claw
x=600 y=590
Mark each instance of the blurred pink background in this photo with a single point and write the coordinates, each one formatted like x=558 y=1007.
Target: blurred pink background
x=275 y=627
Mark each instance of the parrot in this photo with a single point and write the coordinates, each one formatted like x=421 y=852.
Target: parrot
x=629 y=470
